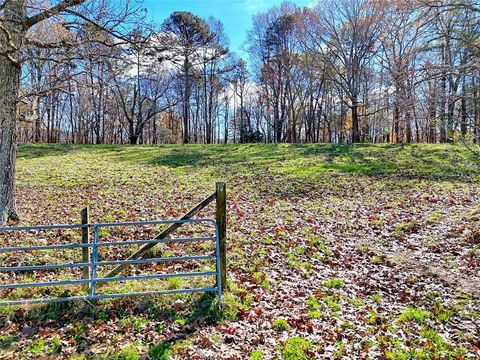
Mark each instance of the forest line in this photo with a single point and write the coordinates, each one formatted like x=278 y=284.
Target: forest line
x=348 y=71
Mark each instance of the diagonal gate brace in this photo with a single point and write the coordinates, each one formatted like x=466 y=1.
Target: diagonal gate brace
x=147 y=247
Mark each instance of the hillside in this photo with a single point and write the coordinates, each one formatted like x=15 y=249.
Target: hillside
x=334 y=251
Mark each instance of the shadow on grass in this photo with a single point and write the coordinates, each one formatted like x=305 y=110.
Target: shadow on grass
x=31 y=151
x=199 y=312
x=204 y=313
x=8 y=341
x=415 y=161
x=183 y=157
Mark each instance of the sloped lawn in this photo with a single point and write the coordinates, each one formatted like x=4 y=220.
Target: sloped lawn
x=334 y=251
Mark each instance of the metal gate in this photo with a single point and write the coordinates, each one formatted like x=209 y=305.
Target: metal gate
x=93 y=281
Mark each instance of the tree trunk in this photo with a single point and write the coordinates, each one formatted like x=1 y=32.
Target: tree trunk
x=464 y=115
x=38 y=124
x=432 y=115
x=443 y=100
x=186 y=101
x=9 y=87
x=225 y=134
x=133 y=139
x=476 y=110
x=408 y=115
x=396 y=123
x=450 y=120
x=355 y=127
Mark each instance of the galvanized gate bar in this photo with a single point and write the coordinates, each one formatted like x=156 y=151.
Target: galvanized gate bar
x=79 y=226
x=97 y=280
x=93 y=279
x=102 y=263
x=94 y=263
x=107 y=296
x=105 y=244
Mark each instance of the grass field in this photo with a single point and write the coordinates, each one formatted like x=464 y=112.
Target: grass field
x=333 y=252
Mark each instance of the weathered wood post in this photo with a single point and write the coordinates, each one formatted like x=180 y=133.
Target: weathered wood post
x=85 y=215
x=221 y=218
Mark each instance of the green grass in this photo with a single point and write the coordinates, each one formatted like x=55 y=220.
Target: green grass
x=256 y=355
x=291 y=207
x=6 y=341
x=127 y=353
x=333 y=283
x=162 y=351
x=280 y=325
x=333 y=304
x=304 y=161
x=296 y=349
x=412 y=314
x=174 y=283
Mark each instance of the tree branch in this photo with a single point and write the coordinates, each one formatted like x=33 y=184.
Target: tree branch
x=3 y=4
x=97 y=25
x=55 y=10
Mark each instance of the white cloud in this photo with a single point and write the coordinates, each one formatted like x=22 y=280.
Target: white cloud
x=251 y=91
x=258 y=5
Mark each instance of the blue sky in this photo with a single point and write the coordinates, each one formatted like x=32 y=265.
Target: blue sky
x=236 y=15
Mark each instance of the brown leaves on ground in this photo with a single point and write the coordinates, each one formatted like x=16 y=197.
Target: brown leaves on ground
x=391 y=243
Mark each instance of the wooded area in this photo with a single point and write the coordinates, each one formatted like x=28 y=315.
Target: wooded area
x=345 y=71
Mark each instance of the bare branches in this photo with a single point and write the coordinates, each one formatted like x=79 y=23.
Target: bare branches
x=3 y=4
x=55 y=10
x=348 y=70
x=450 y=5
x=50 y=45
x=123 y=38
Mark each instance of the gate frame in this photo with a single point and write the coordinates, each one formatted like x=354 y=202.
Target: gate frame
x=90 y=262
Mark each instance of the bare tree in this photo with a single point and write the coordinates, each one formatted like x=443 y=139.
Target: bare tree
x=17 y=18
x=346 y=34
x=142 y=92
x=399 y=43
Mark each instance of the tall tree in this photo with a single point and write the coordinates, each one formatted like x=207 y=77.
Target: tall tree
x=142 y=92
x=187 y=35
x=346 y=33
x=17 y=18
x=402 y=31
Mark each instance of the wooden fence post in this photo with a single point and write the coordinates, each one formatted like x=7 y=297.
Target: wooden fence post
x=85 y=216
x=221 y=218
